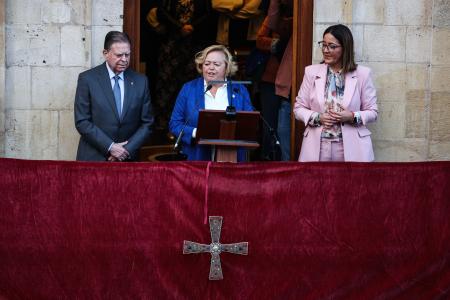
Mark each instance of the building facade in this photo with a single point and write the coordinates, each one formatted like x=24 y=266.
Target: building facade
x=45 y=44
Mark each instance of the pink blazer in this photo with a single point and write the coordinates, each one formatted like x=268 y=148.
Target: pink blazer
x=359 y=96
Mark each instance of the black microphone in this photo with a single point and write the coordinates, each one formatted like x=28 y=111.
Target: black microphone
x=177 y=142
x=230 y=111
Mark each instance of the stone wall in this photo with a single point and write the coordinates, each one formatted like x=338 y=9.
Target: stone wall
x=48 y=43
x=406 y=43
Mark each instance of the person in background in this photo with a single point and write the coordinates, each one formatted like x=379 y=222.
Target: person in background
x=336 y=100
x=214 y=63
x=273 y=42
x=279 y=20
x=184 y=28
x=112 y=106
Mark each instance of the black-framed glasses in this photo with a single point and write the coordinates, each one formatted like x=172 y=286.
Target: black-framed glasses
x=329 y=47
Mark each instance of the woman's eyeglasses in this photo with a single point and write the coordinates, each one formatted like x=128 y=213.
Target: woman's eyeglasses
x=329 y=47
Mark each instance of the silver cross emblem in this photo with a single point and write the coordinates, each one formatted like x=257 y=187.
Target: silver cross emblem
x=215 y=248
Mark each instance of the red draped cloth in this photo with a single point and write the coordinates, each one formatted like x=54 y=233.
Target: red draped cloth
x=71 y=230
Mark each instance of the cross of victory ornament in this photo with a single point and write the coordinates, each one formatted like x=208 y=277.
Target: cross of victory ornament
x=215 y=248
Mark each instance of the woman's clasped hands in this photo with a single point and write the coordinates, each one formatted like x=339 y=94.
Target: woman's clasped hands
x=331 y=117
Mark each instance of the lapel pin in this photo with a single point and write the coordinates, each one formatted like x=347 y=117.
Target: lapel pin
x=132 y=83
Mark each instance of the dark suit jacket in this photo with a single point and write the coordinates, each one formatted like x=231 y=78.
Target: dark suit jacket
x=96 y=117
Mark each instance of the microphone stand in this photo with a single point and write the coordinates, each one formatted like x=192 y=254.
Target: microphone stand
x=275 y=142
x=177 y=142
x=231 y=112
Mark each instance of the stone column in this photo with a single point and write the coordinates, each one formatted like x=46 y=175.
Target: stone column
x=439 y=125
x=2 y=78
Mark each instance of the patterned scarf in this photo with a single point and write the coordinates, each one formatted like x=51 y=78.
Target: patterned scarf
x=334 y=94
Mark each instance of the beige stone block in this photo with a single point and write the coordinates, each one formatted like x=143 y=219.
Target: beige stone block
x=17 y=45
x=441 y=13
x=418 y=76
x=368 y=11
x=328 y=11
x=35 y=45
x=358 y=41
x=439 y=117
x=405 y=150
x=2 y=87
x=2 y=109
x=390 y=81
x=439 y=150
x=391 y=121
x=417 y=113
x=98 y=39
x=81 y=12
x=418 y=44
x=2 y=134
x=106 y=12
x=68 y=136
x=2 y=44
x=408 y=12
x=2 y=12
x=31 y=134
x=18 y=88
x=23 y=12
x=441 y=46
x=75 y=46
x=440 y=79
x=384 y=43
x=48 y=93
x=45 y=46
x=55 y=12
x=317 y=37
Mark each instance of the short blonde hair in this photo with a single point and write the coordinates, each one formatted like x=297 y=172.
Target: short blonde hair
x=200 y=57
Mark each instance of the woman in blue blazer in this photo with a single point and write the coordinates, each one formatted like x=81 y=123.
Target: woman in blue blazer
x=215 y=63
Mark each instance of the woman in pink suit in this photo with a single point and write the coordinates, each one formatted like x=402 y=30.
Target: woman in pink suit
x=337 y=99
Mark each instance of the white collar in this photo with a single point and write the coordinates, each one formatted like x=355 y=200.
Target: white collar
x=111 y=73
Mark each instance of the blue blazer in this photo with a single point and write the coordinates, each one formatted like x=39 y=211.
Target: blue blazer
x=190 y=100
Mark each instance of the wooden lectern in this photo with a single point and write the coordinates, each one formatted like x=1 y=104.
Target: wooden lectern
x=226 y=134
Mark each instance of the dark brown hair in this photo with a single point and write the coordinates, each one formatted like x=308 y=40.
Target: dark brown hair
x=115 y=37
x=343 y=34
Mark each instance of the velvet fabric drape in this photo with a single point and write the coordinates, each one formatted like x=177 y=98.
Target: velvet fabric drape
x=73 y=230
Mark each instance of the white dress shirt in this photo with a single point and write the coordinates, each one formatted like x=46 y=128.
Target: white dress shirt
x=122 y=89
x=121 y=84
x=217 y=102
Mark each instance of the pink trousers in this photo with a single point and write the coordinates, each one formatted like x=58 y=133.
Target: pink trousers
x=331 y=150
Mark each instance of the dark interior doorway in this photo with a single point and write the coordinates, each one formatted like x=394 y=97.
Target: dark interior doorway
x=146 y=47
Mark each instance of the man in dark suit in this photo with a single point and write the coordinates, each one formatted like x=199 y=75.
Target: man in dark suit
x=112 y=106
